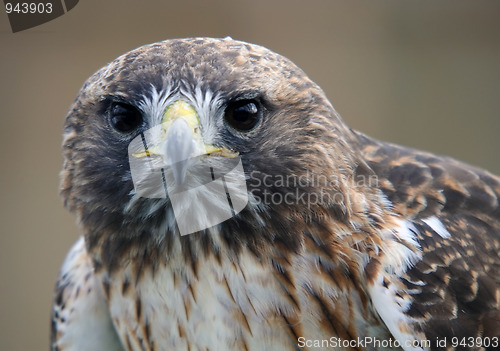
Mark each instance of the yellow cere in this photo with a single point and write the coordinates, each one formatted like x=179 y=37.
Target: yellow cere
x=184 y=110
x=177 y=109
x=181 y=109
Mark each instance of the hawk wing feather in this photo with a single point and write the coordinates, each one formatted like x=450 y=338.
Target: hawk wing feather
x=454 y=207
x=80 y=315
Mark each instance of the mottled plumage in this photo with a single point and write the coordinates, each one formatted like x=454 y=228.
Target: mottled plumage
x=344 y=238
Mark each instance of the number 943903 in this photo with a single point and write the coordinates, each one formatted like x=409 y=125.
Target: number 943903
x=28 y=7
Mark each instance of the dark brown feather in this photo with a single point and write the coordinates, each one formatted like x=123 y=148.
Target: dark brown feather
x=456 y=285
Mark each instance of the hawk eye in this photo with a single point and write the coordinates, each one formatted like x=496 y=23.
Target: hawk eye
x=124 y=118
x=243 y=115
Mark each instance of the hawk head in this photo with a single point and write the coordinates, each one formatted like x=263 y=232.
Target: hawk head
x=216 y=99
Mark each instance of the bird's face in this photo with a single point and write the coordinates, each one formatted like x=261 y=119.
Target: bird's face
x=206 y=100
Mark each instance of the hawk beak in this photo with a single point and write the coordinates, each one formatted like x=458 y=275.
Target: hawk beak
x=181 y=140
x=179 y=147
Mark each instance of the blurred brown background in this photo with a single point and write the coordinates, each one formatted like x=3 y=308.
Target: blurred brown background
x=421 y=73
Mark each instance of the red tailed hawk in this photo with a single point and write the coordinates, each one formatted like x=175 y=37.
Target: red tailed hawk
x=343 y=242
